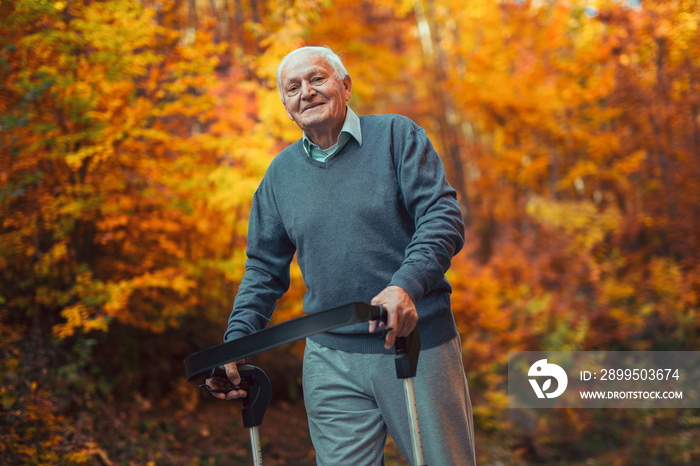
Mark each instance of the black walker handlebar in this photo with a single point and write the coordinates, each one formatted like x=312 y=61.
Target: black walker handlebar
x=209 y=362
x=202 y=363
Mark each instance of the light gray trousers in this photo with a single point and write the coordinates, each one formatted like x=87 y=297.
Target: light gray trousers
x=352 y=399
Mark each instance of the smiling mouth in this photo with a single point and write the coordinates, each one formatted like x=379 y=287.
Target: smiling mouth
x=309 y=107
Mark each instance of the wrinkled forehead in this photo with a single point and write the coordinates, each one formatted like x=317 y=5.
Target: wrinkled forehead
x=302 y=63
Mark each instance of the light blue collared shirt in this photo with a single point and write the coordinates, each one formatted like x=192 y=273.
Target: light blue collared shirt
x=351 y=129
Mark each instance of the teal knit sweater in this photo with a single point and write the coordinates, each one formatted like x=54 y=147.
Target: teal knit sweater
x=372 y=216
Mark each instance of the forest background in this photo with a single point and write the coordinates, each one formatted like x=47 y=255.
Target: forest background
x=133 y=134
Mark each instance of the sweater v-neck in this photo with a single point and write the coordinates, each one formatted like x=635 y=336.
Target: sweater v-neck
x=318 y=164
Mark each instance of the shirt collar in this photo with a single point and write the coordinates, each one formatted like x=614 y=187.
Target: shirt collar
x=351 y=128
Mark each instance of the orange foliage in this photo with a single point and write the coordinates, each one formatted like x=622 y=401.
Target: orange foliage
x=133 y=135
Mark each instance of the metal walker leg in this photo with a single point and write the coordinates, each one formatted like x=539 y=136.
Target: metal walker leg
x=255 y=446
x=406 y=360
x=255 y=382
x=416 y=443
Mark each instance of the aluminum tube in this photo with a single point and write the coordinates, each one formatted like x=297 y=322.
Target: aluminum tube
x=413 y=421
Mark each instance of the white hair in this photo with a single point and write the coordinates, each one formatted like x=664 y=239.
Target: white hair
x=324 y=52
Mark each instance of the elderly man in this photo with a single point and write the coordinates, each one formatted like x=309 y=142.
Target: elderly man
x=364 y=203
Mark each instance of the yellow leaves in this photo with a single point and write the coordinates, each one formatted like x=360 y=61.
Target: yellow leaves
x=119 y=26
x=685 y=29
x=621 y=297
x=47 y=265
x=666 y=277
x=232 y=188
x=167 y=278
x=277 y=124
x=617 y=293
x=583 y=220
x=618 y=169
x=78 y=317
x=565 y=333
x=75 y=159
x=581 y=170
x=291 y=304
x=97 y=302
x=118 y=295
x=88 y=454
x=671 y=293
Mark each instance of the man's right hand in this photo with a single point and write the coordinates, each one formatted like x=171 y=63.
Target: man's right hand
x=220 y=383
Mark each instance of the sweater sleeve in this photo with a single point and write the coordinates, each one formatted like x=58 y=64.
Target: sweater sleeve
x=266 y=279
x=432 y=204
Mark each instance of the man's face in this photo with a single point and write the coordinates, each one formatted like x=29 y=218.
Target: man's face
x=314 y=97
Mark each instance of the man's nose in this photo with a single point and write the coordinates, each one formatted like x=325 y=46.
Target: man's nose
x=307 y=90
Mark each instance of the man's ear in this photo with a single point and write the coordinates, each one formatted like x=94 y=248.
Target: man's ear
x=347 y=86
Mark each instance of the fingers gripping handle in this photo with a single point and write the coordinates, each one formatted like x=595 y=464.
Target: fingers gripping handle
x=380 y=314
x=257 y=385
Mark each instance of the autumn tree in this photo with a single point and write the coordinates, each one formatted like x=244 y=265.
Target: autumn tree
x=133 y=134
x=108 y=202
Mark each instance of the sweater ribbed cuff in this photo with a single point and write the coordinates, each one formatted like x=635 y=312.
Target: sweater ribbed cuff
x=411 y=281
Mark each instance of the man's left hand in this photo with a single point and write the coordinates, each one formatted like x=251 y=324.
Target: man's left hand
x=402 y=314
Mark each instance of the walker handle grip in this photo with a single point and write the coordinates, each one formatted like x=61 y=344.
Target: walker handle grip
x=256 y=383
x=407 y=352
